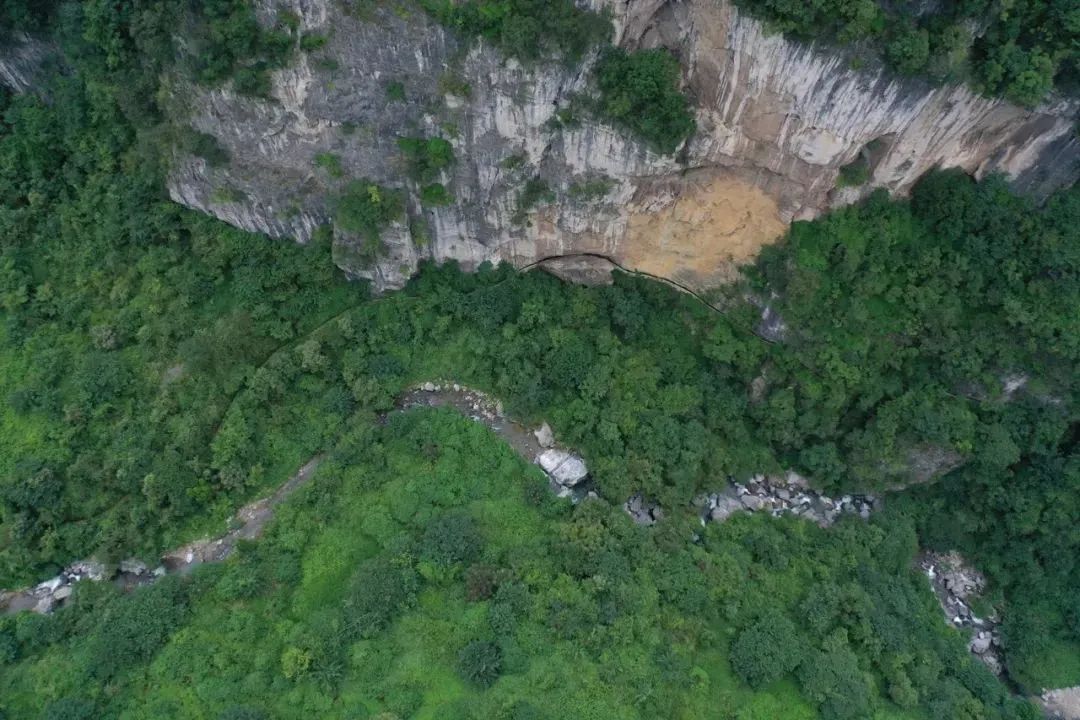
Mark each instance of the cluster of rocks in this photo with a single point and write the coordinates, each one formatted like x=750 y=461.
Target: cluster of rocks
x=46 y=596
x=1061 y=704
x=566 y=470
x=956 y=584
x=788 y=494
x=483 y=407
x=641 y=511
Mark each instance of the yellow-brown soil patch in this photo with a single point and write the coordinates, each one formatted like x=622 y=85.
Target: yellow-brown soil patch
x=699 y=240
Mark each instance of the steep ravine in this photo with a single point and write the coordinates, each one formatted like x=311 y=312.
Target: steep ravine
x=776 y=121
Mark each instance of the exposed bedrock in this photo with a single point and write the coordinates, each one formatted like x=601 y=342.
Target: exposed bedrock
x=22 y=61
x=777 y=120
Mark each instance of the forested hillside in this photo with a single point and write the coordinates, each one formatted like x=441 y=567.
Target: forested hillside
x=1021 y=49
x=429 y=573
x=160 y=368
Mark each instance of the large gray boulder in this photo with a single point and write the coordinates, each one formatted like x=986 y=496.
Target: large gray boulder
x=564 y=468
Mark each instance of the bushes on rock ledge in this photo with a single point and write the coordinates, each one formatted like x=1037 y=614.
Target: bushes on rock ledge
x=640 y=91
x=1020 y=49
x=365 y=209
x=526 y=29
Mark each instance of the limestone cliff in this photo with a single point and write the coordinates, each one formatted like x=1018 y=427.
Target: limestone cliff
x=776 y=121
x=22 y=59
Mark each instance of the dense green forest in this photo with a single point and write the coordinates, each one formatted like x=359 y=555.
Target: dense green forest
x=160 y=368
x=428 y=572
x=1021 y=49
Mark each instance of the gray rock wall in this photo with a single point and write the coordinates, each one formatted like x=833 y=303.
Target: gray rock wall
x=776 y=122
x=22 y=59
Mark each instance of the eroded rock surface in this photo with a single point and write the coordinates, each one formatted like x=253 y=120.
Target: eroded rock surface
x=564 y=467
x=776 y=121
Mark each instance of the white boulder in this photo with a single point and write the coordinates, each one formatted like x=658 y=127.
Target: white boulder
x=564 y=468
x=544 y=436
x=49 y=586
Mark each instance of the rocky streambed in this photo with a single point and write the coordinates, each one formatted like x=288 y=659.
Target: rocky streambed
x=787 y=494
x=246 y=524
x=567 y=472
x=958 y=586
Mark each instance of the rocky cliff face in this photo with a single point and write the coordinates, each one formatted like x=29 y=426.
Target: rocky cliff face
x=22 y=59
x=776 y=122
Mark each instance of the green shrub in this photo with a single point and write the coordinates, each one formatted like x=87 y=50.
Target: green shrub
x=132 y=629
x=312 y=42
x=435 y=195
x=451 y=538
x=514 y=162
x=481 y=581
x=590 y=190
x=70 y=709
x=453 y=84
x=224 y=194
x=395 y=90
x=480 y=663
x=331 y=163
x=365 y=209
x=379 y=590
x=565 y=118
x=536 y=192
x=833 y=679
x=855 y=173
x=30 y=16
x=243 y=712
x=640 y=91
x=766 y=651
x=1027 y=46
x=252 y=81
x=203 y=145
x=229 y=42
x=426 y=158
x=909 y=50
x=526 y=29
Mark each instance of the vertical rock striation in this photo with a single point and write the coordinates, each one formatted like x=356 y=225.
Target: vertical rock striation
x=22 y=59
x=777 y=120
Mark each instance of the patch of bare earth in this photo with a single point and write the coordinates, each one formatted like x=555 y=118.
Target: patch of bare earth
x=704 y=233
